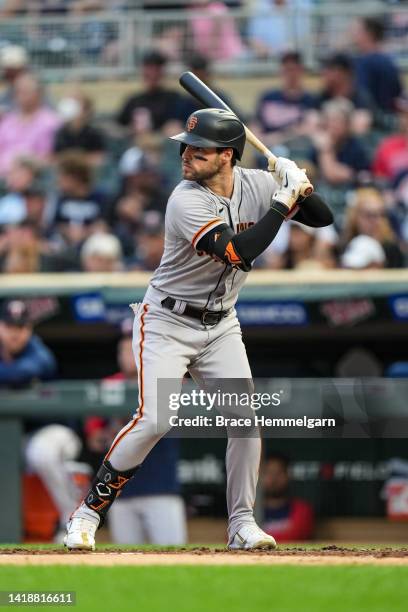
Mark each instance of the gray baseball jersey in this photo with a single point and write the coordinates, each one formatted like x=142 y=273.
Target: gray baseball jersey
x=187 y=274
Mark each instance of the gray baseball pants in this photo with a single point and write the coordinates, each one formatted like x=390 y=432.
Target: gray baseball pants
x=167 y=345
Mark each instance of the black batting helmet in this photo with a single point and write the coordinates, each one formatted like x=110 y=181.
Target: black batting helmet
x=213 y=127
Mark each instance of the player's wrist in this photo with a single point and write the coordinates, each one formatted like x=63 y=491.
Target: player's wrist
x=283 y=200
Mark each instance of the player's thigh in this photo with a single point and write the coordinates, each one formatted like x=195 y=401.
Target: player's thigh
x=224 y=368
x=125 y=523
x=164 y=519
x=225 y=356
x=161 y=348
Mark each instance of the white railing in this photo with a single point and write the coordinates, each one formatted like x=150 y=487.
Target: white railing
x=111 y=44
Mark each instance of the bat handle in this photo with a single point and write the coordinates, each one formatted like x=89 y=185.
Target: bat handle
x=307 y=188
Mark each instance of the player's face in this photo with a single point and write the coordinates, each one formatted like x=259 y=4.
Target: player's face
x=14 y=337
x=200 y=164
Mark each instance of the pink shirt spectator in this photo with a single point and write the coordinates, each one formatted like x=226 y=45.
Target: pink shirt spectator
x=215 y=37
x=26 y=135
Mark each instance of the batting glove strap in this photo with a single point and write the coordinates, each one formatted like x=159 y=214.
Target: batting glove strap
x=281 y=208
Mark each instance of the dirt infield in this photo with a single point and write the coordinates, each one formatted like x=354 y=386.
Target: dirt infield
x=328 y=555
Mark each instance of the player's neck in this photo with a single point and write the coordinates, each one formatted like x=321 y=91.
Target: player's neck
x=222 y=183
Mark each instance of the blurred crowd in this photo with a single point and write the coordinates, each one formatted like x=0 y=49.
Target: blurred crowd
x=80 y=192
x=94 y=31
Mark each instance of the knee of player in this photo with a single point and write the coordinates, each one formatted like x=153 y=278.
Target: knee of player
x=152 y=425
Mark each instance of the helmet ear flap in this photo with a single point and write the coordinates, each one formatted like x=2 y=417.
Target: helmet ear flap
x=183 y=147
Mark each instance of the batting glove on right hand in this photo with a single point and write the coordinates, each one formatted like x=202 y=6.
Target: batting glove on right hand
x=286 y=196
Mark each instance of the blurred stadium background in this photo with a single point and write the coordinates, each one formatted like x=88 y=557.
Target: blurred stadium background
x=89 y=97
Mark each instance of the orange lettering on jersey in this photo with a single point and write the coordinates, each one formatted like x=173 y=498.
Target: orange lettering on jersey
x=243 y=225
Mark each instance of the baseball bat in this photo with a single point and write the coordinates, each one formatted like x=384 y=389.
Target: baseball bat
x=209 y=98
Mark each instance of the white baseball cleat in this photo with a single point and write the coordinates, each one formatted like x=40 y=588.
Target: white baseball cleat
x=80 y=534
x=251 y=537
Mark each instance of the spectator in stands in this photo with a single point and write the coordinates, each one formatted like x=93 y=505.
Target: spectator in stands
x=151 y=509
x=367 y=216
x=10 y=8
x=274 y=28
x=143 y=189
x=149 y=243
x=391 y=157
x=101 y=253
x=308 y=248
x=36 y=200
x=213 y=33
x=31 y=128
x=99 y=40
x=340 y=156
x=77 y=131
x=284 y=109
x=338 y=81
x=375 y=70
x=13 y=63
x=141 y=171
x=24 y=172
x=297 y=247
x=155 y=105
x=399 y=208
x=23 y=250
x=80 y=208
x=23 y=356
x=287 y=518
x=363 y=253
x=44 y=7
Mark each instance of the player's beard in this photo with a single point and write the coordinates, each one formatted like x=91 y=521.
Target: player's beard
x=203 y=175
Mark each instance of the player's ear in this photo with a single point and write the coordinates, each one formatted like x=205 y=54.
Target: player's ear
x=227 y=154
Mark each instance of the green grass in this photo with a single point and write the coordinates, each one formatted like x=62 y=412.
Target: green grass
x=205 y=589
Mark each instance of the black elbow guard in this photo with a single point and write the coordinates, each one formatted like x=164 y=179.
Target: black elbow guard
x=220 y=244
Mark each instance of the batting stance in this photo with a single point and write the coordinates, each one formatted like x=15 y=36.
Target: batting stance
x=218 y=220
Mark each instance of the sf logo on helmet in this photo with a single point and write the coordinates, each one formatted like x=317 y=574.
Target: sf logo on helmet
x=191 y=123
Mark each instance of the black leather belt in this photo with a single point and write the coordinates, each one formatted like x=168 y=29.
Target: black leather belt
x=207 y=317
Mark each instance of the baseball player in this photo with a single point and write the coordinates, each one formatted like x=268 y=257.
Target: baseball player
x=218 y=220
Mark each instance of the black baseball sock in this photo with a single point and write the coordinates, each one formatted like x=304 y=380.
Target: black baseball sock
x=106 y=486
